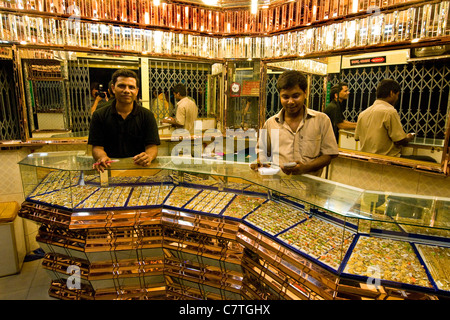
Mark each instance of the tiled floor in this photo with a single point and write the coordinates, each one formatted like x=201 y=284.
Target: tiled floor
x=32 y=283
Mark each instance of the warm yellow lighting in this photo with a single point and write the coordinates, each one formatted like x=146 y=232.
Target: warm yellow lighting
x=254 y=7
x=308 y=66
x=156 y=2
x=351 y=31
x=158 y=36
x=210 y=2
x=355 y=6
x=329 y=38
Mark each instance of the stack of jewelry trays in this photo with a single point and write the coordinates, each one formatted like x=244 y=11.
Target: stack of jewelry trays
x=92 y=200
x=298 y=187
x=190 y=178
x=66 y=197
x=256 y=188
x=423 y=230
x=148 y=195
x=119 y=196
x=242 y=205
x=155 y=179
x=103 y=200
x=386 y=259
x=118 y=180
x=180 y=196
x=107 y=198
x=296 y=201
x=92 y=178
x=237 y=185
x=55 y=180
x=319 y=239
x=274 y=217
x=387 y=224
x=222 y=203
x=210 y=201
x=95 y=179
x=123 y=180
x=293 y=184
x=343 y=218
x=437 y=260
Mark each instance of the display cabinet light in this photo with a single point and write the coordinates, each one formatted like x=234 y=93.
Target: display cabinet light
x=355 y=7
x=210 y=2
x=254 y=7
x=146 y=18
x=83 y=213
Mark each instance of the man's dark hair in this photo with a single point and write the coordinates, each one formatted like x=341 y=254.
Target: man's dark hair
x=290 y=79
x=385 y=87
x=336 y=89
x=126 y=73
x=181 y=89
x=110 y=83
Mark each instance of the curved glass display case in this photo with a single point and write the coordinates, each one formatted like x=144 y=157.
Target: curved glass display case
x=212 y=229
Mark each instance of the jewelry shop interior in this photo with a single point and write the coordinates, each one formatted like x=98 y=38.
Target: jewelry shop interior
x=208 y=227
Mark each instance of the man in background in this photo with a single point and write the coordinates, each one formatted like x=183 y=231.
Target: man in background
x=97 y=96
x=378 y=128
x=161 y=105
x=187 y=110
x=334 y=110
x=103 y=99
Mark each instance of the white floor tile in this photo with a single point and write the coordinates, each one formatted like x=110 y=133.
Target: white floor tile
x=32 y=283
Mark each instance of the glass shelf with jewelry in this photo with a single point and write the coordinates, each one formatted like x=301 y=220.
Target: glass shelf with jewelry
x=193 y=227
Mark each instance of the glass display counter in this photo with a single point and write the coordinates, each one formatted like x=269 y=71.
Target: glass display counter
x=212 y=229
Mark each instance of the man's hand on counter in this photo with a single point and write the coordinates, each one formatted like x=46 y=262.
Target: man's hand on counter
x=142 y=159
x=102 y=164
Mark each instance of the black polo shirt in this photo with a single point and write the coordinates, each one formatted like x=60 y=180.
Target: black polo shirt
x=336 y=115
x=123 y=138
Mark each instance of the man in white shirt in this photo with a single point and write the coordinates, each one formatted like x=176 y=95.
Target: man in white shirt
x=187 y=110
x=299 y=139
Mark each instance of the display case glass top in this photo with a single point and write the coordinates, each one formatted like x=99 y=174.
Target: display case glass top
x=287 y=219
x=311 y=193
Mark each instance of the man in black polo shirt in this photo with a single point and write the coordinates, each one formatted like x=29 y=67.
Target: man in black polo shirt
x=338 y=94
x=124 y=128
